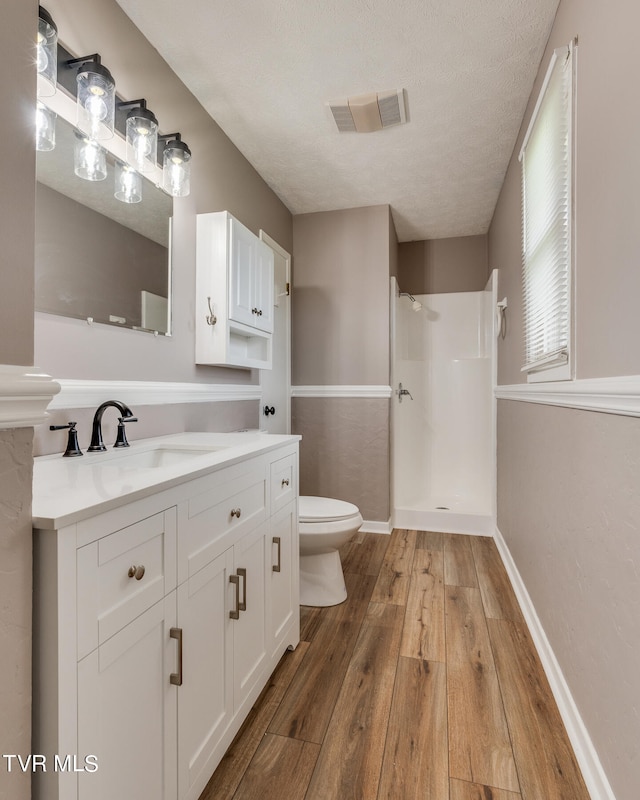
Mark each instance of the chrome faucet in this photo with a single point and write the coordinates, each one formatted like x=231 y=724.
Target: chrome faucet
x=96 y=431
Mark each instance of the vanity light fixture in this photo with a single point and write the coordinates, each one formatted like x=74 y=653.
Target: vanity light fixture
x=141 y=129
x=176 y=166
x=46 y=54
x=45 y=127
x=128 y=188
x=95 y=98
x=89 y=159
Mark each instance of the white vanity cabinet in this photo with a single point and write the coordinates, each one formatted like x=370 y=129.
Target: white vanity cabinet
x=156 y=626
x=234 y=294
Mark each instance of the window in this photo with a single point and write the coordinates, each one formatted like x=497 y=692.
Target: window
x=546 y=158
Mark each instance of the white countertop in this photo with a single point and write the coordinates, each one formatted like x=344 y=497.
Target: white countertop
x=67 y=490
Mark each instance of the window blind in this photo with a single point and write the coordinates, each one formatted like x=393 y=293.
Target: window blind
x=546 y=220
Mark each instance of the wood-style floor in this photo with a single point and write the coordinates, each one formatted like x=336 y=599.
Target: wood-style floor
x=424 y=684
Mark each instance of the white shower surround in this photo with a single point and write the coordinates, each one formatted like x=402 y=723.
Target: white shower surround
x=443 y=471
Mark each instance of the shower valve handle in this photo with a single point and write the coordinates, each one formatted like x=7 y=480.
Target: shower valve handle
x=402 y=392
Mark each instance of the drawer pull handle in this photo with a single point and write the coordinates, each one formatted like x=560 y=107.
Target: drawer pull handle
x=276 y=541
x=285 y=482
x=136 y=572
x=235 y=512
x=235 y=612
x=176 y=677
x=242 y=604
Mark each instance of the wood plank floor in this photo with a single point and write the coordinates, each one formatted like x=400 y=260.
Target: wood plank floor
x=424 y=684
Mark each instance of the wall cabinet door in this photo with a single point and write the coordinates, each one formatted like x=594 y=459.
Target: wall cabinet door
x=206 y=695
x=241 y=273
x=127 y=710
x=263 y=281
x=281 y=579
x=250 y=278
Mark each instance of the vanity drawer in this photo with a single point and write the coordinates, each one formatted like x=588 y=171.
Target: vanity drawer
x=218 y=517
x=122 y=575
x=283 y=482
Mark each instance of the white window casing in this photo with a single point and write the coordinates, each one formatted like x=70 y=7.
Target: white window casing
x=547 y=227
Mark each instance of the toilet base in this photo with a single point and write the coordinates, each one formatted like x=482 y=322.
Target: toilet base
x=321 y=580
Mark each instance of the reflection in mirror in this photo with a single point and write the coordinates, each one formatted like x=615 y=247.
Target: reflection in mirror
x=97 y=257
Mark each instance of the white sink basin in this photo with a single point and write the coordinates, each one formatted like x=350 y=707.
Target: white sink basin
x=157 y=457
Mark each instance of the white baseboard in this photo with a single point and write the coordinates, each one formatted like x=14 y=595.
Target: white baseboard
x=586 y=755
x=371 y=526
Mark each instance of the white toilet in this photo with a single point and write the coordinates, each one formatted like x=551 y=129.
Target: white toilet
x=325 y=525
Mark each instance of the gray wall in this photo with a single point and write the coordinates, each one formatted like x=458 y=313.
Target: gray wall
x=458 y=264
x=221 y=178
x=568 y=501
x=340 y=323
x=17 y=94
x=340 y=336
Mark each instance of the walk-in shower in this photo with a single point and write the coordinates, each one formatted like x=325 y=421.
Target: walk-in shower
x=443 y=410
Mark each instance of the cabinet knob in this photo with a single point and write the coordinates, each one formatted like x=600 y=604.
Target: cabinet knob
x=254 y=310
x=285 y=482
x=235 y=512
x=136 y=572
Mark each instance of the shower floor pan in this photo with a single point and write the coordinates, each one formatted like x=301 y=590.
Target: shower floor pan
x=447 y=515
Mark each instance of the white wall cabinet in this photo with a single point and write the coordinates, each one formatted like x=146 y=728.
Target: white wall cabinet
x=156 y=626
x=234 y=284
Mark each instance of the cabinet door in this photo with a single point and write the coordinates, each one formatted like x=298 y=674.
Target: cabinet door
x=249 y=634
x=263 y=286
x=281 y=579
x=205 y=699
x=127 y=710
x=241 y=273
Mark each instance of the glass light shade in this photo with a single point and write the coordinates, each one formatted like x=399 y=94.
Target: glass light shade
x=45 y=128
x=46 y=54
x=128 y=186
x=142 y=139
x=96 y=101
x=89 y=160
x=176 y=169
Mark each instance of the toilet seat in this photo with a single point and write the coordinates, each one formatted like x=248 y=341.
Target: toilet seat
x=324 y=509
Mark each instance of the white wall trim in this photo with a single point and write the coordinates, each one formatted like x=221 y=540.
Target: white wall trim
x=87 y=394
x=609 y=395
x=371 y=526
x=586 y=755
x=342 y=391
x=25 y=393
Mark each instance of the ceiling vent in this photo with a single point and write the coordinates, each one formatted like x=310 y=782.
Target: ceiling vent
x=369 y=112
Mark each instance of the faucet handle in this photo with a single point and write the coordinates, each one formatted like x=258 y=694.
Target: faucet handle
x=73 y=448
x=121 y=436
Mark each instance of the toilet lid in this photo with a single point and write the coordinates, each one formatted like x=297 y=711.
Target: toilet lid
x=322 y=509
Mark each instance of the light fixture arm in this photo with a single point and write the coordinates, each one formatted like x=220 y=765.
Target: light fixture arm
x=95 y=58
x=141 y=103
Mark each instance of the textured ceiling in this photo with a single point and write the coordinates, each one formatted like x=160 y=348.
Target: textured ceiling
x=264 y=70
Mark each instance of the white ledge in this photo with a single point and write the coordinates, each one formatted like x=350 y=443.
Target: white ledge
x=342 y=391
x=87 y=394
x=25 y=393
x=619 y=395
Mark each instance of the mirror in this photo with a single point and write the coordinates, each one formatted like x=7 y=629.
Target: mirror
x=96 y=257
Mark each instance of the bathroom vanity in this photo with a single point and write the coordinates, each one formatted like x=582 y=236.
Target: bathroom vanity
x=165 y=593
